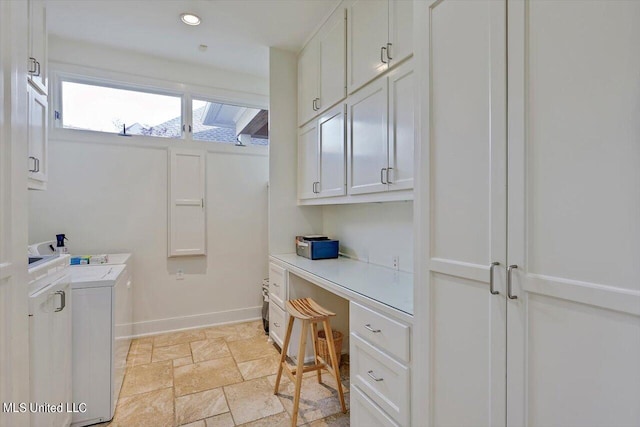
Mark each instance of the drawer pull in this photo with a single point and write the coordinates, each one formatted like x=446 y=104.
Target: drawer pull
x=276 y=324
x=375 y=331
x=275 y=284
x=373 y=377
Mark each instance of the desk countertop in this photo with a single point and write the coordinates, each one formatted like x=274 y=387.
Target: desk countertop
x=384 y=285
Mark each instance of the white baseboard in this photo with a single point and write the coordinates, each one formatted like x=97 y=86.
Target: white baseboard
x=173 y=324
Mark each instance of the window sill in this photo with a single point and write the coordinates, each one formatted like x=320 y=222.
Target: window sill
x=91 y=137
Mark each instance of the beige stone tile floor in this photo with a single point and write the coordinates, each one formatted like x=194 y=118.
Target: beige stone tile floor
x=220 y=377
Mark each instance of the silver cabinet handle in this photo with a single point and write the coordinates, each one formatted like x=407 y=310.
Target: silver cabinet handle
x=313 y=104
x=32 y=61
x=382 y=181
x=509 y=270
x=317 y=101
x=368 y=327
x=35 y=163
x=493 y=264
x=276 y=324
x=382 y=54
x=373 y=377
x=275 y=284
x=389 y=57
x=313 y=187
x=63 y=300
x=37 y=73
x=387 y=175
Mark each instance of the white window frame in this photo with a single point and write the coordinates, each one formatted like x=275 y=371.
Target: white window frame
x=86 y=75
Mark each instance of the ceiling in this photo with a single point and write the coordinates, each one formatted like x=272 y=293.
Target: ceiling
x=237 y=32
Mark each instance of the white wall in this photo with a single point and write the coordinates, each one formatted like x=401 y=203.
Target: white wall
x=110 y=197
x=373 y=232
x=286 y=219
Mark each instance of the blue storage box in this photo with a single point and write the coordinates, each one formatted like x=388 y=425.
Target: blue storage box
x=317 y=247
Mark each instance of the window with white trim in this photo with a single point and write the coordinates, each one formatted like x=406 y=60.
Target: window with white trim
x=111 y=107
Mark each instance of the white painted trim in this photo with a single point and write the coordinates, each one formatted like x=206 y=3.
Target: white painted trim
x=318 y=27
x=385 y=196
x=174 y=324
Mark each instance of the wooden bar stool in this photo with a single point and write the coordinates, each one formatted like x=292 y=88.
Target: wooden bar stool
x=310 y=313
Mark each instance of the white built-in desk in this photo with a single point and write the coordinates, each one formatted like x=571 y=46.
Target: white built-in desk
x=373 y=285
x=380 y=326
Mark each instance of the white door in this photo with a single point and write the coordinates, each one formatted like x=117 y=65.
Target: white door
x=37 y=137
x=308 y=82
x=401 y=127
x=574 y=208
x=332 y=46
x=187 y=211
x=367 y=25
x=400 y=31
x=367 y=117
x=331 y=169
x=467 y=194
x=38 y=45
x=308 y=161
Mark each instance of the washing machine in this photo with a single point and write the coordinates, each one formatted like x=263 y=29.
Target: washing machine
x=102 y=329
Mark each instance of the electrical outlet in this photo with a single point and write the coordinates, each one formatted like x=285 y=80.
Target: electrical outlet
x=179 y=274
x=396 y=262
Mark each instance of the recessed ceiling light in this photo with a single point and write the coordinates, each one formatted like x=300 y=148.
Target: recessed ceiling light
x=190 y=19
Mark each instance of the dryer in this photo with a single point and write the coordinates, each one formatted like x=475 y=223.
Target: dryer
x=102 y=329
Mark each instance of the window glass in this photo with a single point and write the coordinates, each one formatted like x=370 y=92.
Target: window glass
x=130 y=112
x=234 y=124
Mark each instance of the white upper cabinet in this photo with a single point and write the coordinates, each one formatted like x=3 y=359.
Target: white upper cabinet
x=37 y=64
x=331 y=168
x=401 y=128
x=379 y=37
x=368 y=29
x=308 y=161
x=367 y=136
x=322 y=69
x=380 y=134
x=38 y=147
x=308 y=69
x=321 y=156
x=187 y=215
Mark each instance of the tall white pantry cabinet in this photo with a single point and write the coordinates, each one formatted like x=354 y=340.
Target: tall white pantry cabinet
x=529 y=212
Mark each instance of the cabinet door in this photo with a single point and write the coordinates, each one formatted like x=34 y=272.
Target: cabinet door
x=308 y=82
x=574 y=202
x=467 y=205
x=331 y=127
x=368 y=30
x=401 y=127
x=400 y=31
x=308 y=161
x=367 y=116
x=41 y=343
x=37 y=139
x=38 y=45
x=332 y=47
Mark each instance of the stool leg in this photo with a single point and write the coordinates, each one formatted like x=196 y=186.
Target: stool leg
x=314 y=337
x=299 y=371
x=283 y=356
x=334 y=362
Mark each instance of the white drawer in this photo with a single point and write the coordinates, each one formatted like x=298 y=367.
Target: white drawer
x=381 y=378
x=277 y=284
x=366 y=413
x=389 y=335
x=277 y=323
